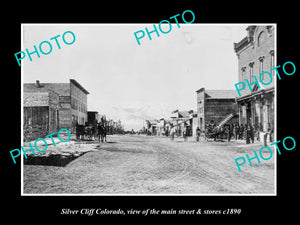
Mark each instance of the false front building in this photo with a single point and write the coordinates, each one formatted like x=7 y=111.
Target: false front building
x=216 y=106
x=255 y=54
x=49 y=107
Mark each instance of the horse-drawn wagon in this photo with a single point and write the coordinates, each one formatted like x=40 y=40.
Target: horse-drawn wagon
x=213 y=131
x=92 y=131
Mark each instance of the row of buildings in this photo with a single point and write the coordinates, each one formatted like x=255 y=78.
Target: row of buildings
x=213 y=106
x=162 y=126
x=48 y=107
x=255 y=54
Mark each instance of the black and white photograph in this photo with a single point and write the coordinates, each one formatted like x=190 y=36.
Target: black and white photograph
x=143 y=111
x=179 y=109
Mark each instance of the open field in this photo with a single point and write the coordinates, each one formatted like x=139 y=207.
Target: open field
x=137 y=164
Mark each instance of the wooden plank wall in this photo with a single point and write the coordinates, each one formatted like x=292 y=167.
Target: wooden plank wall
x=36 y=122
x=218 y=109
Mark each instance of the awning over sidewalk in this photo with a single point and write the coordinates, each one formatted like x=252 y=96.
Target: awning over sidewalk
x=256 y=93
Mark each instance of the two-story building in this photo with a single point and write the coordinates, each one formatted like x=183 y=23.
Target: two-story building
x=72 y=102
x=40 y=113
x=256 y=54
x=215 y=106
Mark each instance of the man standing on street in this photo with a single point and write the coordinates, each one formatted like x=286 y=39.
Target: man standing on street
x=236 y=131
x=198 y=133
x=185 y=132
x=172 y=133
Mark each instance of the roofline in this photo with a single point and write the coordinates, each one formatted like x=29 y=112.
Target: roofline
x=252 y=94
x=241 y=44
x=221 y=98
x=201 y=89
x=208 y=90
x=79 y=86
x=93 y=111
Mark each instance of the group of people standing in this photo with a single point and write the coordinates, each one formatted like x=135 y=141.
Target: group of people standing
x=186 y=131
x=242 y=132
x=247 y=132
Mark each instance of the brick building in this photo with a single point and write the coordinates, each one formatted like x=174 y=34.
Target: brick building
x=215 y=105
x=72 y=102
x=255 y=54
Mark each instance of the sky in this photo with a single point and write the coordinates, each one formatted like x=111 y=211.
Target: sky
x=134 y=82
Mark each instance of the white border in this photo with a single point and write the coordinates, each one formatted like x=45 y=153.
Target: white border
x=132 y=24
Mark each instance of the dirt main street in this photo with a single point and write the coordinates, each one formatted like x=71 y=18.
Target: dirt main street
x=138 y=164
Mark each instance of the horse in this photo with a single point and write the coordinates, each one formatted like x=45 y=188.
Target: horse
x=80 y=131
x=86 y=132
x=102 y=130
x=90 y=132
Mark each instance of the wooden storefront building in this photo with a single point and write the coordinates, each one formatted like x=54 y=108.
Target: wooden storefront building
x=216 y=106
x=41 y=114
x=61 y=104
